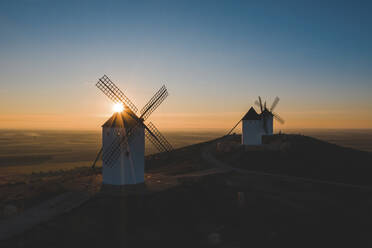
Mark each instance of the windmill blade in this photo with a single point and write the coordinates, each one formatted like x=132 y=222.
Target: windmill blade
x=156 y=138
x=114 y=93
x=154 y=102
x=115 y=148
x=232 y=129
x=154 y=141
x=278 y=118
x=274 y=104
x=98 y=156
x=259 y=98
x=112 y=153
x=257 y=103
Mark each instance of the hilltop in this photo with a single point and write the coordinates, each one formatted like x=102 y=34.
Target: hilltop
x=301 y=156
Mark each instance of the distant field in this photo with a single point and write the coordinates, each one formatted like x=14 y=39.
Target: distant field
x=33 y=151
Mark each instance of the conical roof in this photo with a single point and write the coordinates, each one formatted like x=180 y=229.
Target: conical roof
x=126 y=118
x=266 y=113
x=251 y=115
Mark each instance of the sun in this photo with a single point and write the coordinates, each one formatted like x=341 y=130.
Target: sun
x=118 y=107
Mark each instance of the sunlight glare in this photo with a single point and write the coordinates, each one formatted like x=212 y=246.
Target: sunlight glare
x=118 y=107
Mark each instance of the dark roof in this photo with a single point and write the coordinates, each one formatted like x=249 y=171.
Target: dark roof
x=267 y=113
x=251 y=115
x=125 y=118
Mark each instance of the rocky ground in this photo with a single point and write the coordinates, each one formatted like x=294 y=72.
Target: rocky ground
x=189 y=200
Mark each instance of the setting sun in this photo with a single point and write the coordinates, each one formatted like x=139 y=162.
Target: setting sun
x=118 y=107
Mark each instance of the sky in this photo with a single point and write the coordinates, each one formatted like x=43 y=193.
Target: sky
x=215 y=57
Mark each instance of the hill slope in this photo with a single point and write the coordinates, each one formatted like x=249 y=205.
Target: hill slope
x=303 y=156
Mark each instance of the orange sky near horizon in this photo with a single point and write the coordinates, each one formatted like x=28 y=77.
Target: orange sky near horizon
x=83 y=107
x=182 y=121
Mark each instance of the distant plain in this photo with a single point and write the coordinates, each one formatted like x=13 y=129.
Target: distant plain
x=33 y=151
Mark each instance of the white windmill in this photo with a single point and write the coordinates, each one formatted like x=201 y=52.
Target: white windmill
x=123 y=137
x=255 y=125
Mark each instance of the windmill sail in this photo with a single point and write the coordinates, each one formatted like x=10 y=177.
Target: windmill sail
x=265 y=113
x=152 y=134
x=154 y=102
x=278 y=118
x=274 y=104
x=112 y=153
x=120 y=142
x=157 y=139
x=260 y=102
x=114 y=93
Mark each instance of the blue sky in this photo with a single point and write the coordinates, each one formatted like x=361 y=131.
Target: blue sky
x=216 y=57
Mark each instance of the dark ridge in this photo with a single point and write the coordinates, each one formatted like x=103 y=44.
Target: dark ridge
x=303 y=156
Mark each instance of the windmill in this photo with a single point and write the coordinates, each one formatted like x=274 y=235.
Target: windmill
x=123 y=136
x=267 y=115
x=254 y=125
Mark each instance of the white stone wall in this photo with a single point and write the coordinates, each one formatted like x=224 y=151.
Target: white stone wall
x=270 y=125
x=251 y=132
x=128 y=169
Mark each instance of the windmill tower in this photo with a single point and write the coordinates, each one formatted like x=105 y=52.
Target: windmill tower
x=255 y=125
x=251 y=128
x=267 y=116
x=126 y=169
x=123 y=137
